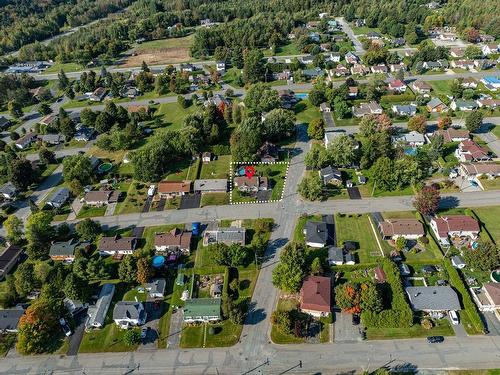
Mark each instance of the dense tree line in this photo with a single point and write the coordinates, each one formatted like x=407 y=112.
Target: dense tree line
x=25 y=21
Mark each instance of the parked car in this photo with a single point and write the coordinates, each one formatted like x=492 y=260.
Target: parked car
x=355 y=319
x=429 y=270
x=144 y=332
x=65 y=327
x=435 y=339
x=453 y=317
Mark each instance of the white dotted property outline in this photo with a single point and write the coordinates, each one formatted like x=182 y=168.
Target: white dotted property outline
x=232 y=175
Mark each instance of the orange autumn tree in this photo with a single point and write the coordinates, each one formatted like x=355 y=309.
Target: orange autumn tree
x=348 y=297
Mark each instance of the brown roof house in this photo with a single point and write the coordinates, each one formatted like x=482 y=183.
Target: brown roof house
x=487 y=298
x=411 y=229
x=117 y=245
x=421 y=87
x=268 y=152
x=454 y=226
x=251 y=185
x=452 y=135
x=101 y=198
x=490 y=170
x=173 y=241
x=469 y=150
x=316 y=296
x=172 y=189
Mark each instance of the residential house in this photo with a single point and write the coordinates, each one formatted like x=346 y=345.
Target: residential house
x=9 y=258
x=360 y=69
x=421 y=87
x=316 y=233
x=457 y=52
x=63 y=250
x=487 y=297
x=202 y=310
x=9 y=191
x=251 y=185
x=433 y=298
x=9 y=319
x=452 y=135
x=285 y=75
x=492 y=83
x=404 y=110
x=380 y=68
x=52 y=139
x=463 y=105
x=380 y=276
x=313 y=73
x=339 y=71
x=117 y=245
x=306 y=60
x=391 y=229
x=4 y=122
x=206 y=22
x=463 y=64
x=330 y=176
x=101 y=198
x=398 y=42
x=175 y=241
x=84 y=134
x=130 y=92
x=469 y=150
x=128 y=314
x=359 y=22
x=475 y=170
x=371 y=108
x=378 y=42
x=187 y=67
x=26 y=140
x=488 y=103
x=172 y=189
x=469 y=83
x=288 y=98
x=372 y=35
x=98 y=94
x=432 y=65
x=156 y=288
x=97 y=313
x=413 y=139
x=351 y=58
x=216 y=185
x=335 y=256
x=315 y=296
x=268 y=152
x=220 y=66
x=488 y=49
x=397 y=86
x=331 y=135
x=218 y=100
x=324 y=107
x=59 y=198
x=314 y=37
x=435 y=105
x=228 y=236
x=339 y=38
x=484 y=64
x=485 y=38
x=333 y=57
x=397 y=67
x=454 y=226
x=312 y=24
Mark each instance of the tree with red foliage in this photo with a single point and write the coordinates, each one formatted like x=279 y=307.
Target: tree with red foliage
x=348 y=297
x=472 y=35
x=427 y=200
x=444 y=122
x=418 y=123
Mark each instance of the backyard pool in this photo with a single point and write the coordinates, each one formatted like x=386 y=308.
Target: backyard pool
x=411 y=151
x=302 y=95
x=104 y=167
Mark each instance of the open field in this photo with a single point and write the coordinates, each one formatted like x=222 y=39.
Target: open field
x=67 y=67
x=357 y=228
x=162 y=51
x=173 y=114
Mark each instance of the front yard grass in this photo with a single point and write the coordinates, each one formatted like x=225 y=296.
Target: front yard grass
x=489 y=217
x=496 y=130
x=89 y=211
x=134 y=200
x=218 y=168
x=276 y=180
x=306 y=112
x=489 y=184
x=214 y=199
x=357 y=228
x=442 y=327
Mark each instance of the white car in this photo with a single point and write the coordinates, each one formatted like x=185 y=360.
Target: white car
x=151 y=190
x=453 y=317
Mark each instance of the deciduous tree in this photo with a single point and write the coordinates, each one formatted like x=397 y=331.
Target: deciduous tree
x=427 y=200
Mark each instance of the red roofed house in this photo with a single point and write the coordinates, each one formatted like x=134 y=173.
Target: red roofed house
x=397 y=86
x=316 y=295
x=175 y=240
x=411 y=229
x=454 y=226
x=488 y=297
x=171 y=189
x=452 y=134
x=469 y=150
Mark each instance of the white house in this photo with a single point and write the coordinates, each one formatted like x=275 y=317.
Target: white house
x=220 y=66
x=128 y=314
x=454 y=226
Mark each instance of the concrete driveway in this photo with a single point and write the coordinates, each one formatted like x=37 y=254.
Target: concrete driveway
x=465 y=186
x=76 y=338
x=492 y=323
x=345 y=331
x=110 y=209
x=174 y=334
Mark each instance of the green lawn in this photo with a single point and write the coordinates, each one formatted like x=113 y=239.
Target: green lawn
x=89 y=211
x=441 y=88
x=287 y=50
x=357 y=228
x=173 y=114
x=276 y=179
x=442 y=328
x=306 y=112
x=214 y=199
x=182 y=42
x=496 y=131
x=364 y=30
x=489 y=217
x=279 y=337
x=231 y=77
x=185 y=169
x=67 y=67
x=218 y=168
x=134 y=199
x=491 y=184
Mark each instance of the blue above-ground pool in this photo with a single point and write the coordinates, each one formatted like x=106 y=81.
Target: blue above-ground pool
x=158 y=261
x=302 y=95
x=241 y=171
x=411 y=151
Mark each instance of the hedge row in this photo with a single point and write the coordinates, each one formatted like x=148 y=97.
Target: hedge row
x=406 y=97
x=400 y=315
x=225 y=294
x=469 y=305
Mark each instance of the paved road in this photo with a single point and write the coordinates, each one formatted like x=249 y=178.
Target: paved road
x=346 y=28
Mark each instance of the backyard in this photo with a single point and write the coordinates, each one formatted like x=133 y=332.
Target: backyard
x=218 y=168
x=357 y=229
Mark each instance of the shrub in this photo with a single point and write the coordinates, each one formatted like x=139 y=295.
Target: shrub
x=427 y=324
x=423 y=240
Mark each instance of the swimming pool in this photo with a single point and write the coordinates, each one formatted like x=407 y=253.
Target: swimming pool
x=302 y=95
x=411 y=151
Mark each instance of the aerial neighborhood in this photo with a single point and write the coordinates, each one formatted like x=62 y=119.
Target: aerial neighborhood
x=242 y=178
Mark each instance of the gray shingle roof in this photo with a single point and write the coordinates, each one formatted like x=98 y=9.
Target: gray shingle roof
x=97 y=313
x=59 y=197
x=127 y=310
x=156 y=286
x=433 y=298
x=316 y=232
x=335 y=254
x=63 y=248
x=9 y=319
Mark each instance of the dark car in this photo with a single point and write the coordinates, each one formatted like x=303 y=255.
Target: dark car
x=435 y=339
x=355 y=319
